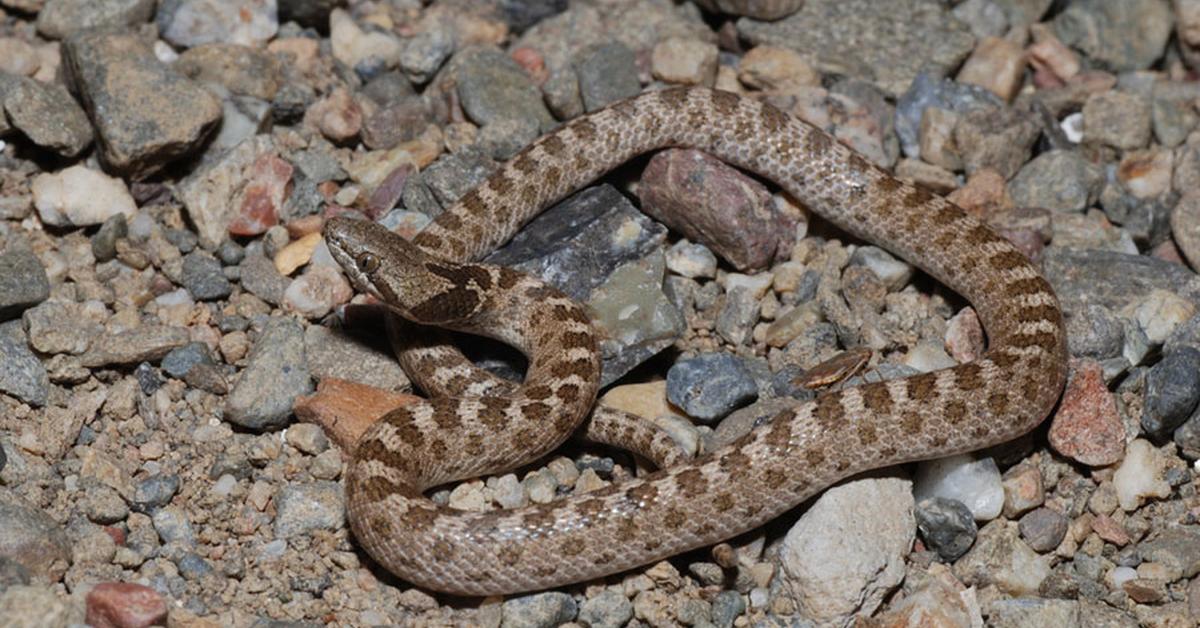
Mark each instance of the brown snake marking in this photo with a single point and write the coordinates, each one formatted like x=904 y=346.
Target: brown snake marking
x=1005 y=393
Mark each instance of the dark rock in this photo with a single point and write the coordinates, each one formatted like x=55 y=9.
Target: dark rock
x=711 y=385
x=1043 y=529
x=32 y=539
x=21 y=372
x=521 y=14
x=572 y=246
x=928 y=90
x=1172 y=391
x=947 y=526
x=1114 y=280
x=313 y=13
x=453 y=175
x=242 y=70
x=104 y=243
x=154 y=492
x=1117 y=35
x=203 y=278
x=23 y=281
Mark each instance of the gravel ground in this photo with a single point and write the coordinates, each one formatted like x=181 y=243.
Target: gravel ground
x=174 y=332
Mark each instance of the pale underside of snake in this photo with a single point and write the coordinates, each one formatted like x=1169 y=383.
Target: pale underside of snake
x=486 y=426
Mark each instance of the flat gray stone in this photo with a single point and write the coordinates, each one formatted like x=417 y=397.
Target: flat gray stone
x=59 y=18
x=21 y=373
x=23 y=281
x=48 y=115
x=860 y=39
x=276 y=373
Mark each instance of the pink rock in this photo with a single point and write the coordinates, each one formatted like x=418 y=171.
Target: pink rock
x=1110 y=530
x=1087 y=427
x=964 y=336
x=714 y=204
x=268 y=186
x=385 y=196
x=125 y=605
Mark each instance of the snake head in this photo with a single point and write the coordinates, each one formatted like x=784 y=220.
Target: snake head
x=413 y=283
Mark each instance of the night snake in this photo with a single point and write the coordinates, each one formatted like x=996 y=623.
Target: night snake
x=722 y=493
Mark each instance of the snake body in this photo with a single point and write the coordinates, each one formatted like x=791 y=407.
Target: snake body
x=798 y=453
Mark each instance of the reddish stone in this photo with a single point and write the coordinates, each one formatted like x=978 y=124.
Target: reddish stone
x=346 y=409
x=985 y=193
x=385 y=197
x=116 y=534
x=1087 y=427
x=532 y=62
x=1168 y=252
x=716 y=205
x=269 y=184
x=1110 y=530
x=125 y=605
x=964 y=336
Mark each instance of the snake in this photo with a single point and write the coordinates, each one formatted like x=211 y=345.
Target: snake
x=434 y=280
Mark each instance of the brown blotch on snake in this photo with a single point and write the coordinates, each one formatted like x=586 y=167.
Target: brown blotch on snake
x=1026 y=356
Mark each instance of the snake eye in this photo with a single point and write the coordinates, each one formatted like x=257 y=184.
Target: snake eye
x=368 y=262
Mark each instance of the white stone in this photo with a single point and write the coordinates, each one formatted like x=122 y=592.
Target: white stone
x=926 y=357
x=1160 y=313
x=508 y=491
x=1140 y=475
x=757 y=284
x=975 y=483
x=352 y=45
x=1072 y=127
x=468 y=496
x=689 y=259
x=79 y=196
x=846 y=553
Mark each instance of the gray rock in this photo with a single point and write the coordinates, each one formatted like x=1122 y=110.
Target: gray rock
x=23 y=281
x=1171 y=114
x=146 y=114
x=397 y=121
x=154 y=492
x=1001 y=139
x=1097 y=614
x=1172 y=391
x=609 y=609
x=947 y=526
x=910 y=37
x=1117 y=119
x=1030 y=611
x=303 y=508
x=1118 y=35
x=48 y=115
x=726 y=607
x=1095 y=332
x=929 y=90
x=276 y=373
x=1114 y=280
x=1059 y=180
x=999 y=557
x=174 y=526
x=32 y=539
x=1043 y=528
x=735 y=322
x=192 y=566
x=492 y=88
x=231 y=253
x=709 y=386
x=104 y=242
x=453 y=175
x=334 y=353
x=59 y=18
x=634 y=316
x=541 y=610
x=1177 y=548
x=12 y=573
x=21 y=373
x=425 y=53
x=104 y=505
x=260 y=278
x=521 y=14
x=144 y=343
x=203 y=278
x=606 y=73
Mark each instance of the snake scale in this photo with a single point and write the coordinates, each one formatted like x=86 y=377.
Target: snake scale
x=798 y=453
